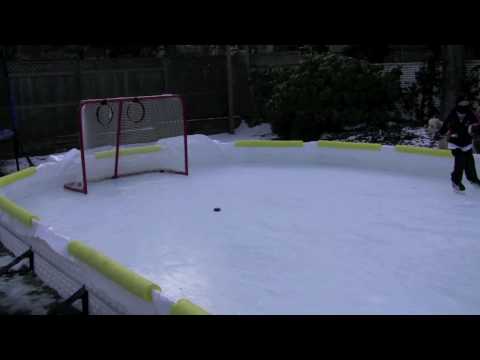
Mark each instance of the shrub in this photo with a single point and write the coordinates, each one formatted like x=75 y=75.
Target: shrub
x=328 y=92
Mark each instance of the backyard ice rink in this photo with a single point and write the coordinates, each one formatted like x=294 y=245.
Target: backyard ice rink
x=289 y=239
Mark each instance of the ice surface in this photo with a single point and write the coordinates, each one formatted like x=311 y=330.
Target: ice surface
x=305 y=239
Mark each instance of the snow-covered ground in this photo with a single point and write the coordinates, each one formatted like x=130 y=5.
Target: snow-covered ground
x=9 y=166
x=421 y=137
x=244 y=132
x=23 y=293
x=415 y=136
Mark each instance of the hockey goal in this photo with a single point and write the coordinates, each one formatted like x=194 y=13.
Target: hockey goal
x=131 y=135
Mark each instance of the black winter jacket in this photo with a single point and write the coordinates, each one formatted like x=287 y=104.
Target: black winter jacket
x=458 y=129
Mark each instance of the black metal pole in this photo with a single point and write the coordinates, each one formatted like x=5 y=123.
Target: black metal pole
x=27 y=254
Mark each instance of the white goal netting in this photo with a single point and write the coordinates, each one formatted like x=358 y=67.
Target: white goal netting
x=123 y=136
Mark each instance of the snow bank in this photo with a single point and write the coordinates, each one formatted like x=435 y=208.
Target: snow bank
x=244 y=132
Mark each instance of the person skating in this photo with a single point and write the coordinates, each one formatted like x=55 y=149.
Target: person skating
x=459 y=127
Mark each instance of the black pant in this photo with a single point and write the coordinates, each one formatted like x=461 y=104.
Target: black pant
x=464 y=161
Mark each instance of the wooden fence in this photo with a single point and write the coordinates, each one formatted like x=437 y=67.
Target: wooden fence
x=47 y=94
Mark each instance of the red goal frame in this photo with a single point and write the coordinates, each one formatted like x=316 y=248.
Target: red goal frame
x=121 y=101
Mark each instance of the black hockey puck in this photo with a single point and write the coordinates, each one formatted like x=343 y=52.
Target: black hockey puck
x=216 y=209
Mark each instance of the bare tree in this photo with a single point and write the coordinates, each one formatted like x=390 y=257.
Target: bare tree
x=453 y=77
x=231 y=124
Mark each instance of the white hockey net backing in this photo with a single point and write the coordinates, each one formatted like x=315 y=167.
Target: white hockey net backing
x=124 y=136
